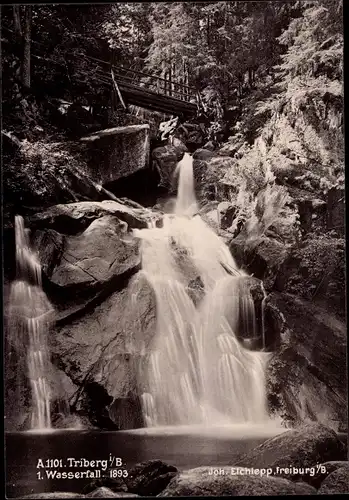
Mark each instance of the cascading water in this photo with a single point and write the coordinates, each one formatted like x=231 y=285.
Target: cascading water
x=29 y=321
x=198 y=370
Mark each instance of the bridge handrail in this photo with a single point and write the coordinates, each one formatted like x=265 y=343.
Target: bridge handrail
x=174 y=91
x=144 y=74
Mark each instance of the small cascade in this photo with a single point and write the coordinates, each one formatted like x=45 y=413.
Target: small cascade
x=263 y=316
x=186 y=201
x=30 y=313
x=199 y=371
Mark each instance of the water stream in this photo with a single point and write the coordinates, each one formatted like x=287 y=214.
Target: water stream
x=30 y=313
x=199 y=372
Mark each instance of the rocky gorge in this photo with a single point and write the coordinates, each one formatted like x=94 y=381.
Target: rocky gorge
x=154 y=280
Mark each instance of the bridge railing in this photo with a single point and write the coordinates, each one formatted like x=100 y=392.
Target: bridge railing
x=129 y=77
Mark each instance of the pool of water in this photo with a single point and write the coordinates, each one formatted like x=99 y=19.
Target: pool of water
x=184 y=447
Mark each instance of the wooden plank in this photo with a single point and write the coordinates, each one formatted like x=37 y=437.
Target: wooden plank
x=117 y=90
x=163 y=106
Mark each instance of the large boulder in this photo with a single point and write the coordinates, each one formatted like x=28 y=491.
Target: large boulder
x=262 y=258
x=306 y=375
x=230 y=481
x=324 y=470
x=72 y=218
x=150 y=478
x=113 y=484
x=336 y=482
x=118 y=152
x=102 y=348
x=89 y=259
x=289 y=454
x=87 y=248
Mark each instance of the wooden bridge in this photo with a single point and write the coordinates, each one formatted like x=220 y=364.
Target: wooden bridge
x=131 y=86
x=147 y=91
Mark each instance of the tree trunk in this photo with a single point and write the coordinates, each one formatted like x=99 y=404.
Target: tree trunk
x=250 y=81
x=170 y=78
x=17 y=22
x=26 y=46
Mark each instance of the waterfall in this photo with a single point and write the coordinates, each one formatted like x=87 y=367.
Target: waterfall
x=29 y=311
x=198 y=370
x=186 y=200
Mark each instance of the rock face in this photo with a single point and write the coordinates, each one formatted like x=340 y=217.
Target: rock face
x=73 y=218
x=263 y=258
x=202 y=482
x=325 y=470
x=117 y=152
x=112 y=484
x=209 y=171
x=336 y=482
x=92 y=258
x=102 y=352
x=226 y=213
x=299 y=448
x=165 y=159
x=306 y=376
x=150 y=478
x=104 y=308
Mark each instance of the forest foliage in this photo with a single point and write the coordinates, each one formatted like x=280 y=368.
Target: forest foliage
x=257 y=65
x=223 y=48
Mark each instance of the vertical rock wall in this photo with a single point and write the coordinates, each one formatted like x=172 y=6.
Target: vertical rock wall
x=115 y=153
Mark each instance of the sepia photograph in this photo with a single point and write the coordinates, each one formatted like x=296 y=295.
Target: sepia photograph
x=173 y=222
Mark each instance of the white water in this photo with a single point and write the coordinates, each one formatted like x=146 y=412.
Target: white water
x=29 y=319
x=198 y=371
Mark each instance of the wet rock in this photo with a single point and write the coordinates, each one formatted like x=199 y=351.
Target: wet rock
x=50 y=247
x=150 y=478
x=316 y=271
x=114 y=484
x=101 y=348
x=201 y=482
x=193 y=133
x=118 y=152
x=127 y=412
x=325 y=470
x=262 y=258
x=94 y=257
x=203 y=154
x=299 y=448
x=336 y=210
x=208 y=174
x=72 y=218
x=104 y=492
x=179 y=145
x=226 y=214
x=165 y=159
x=336 y=482
x=208 y=146
x=196 y=290
x=305 y=375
